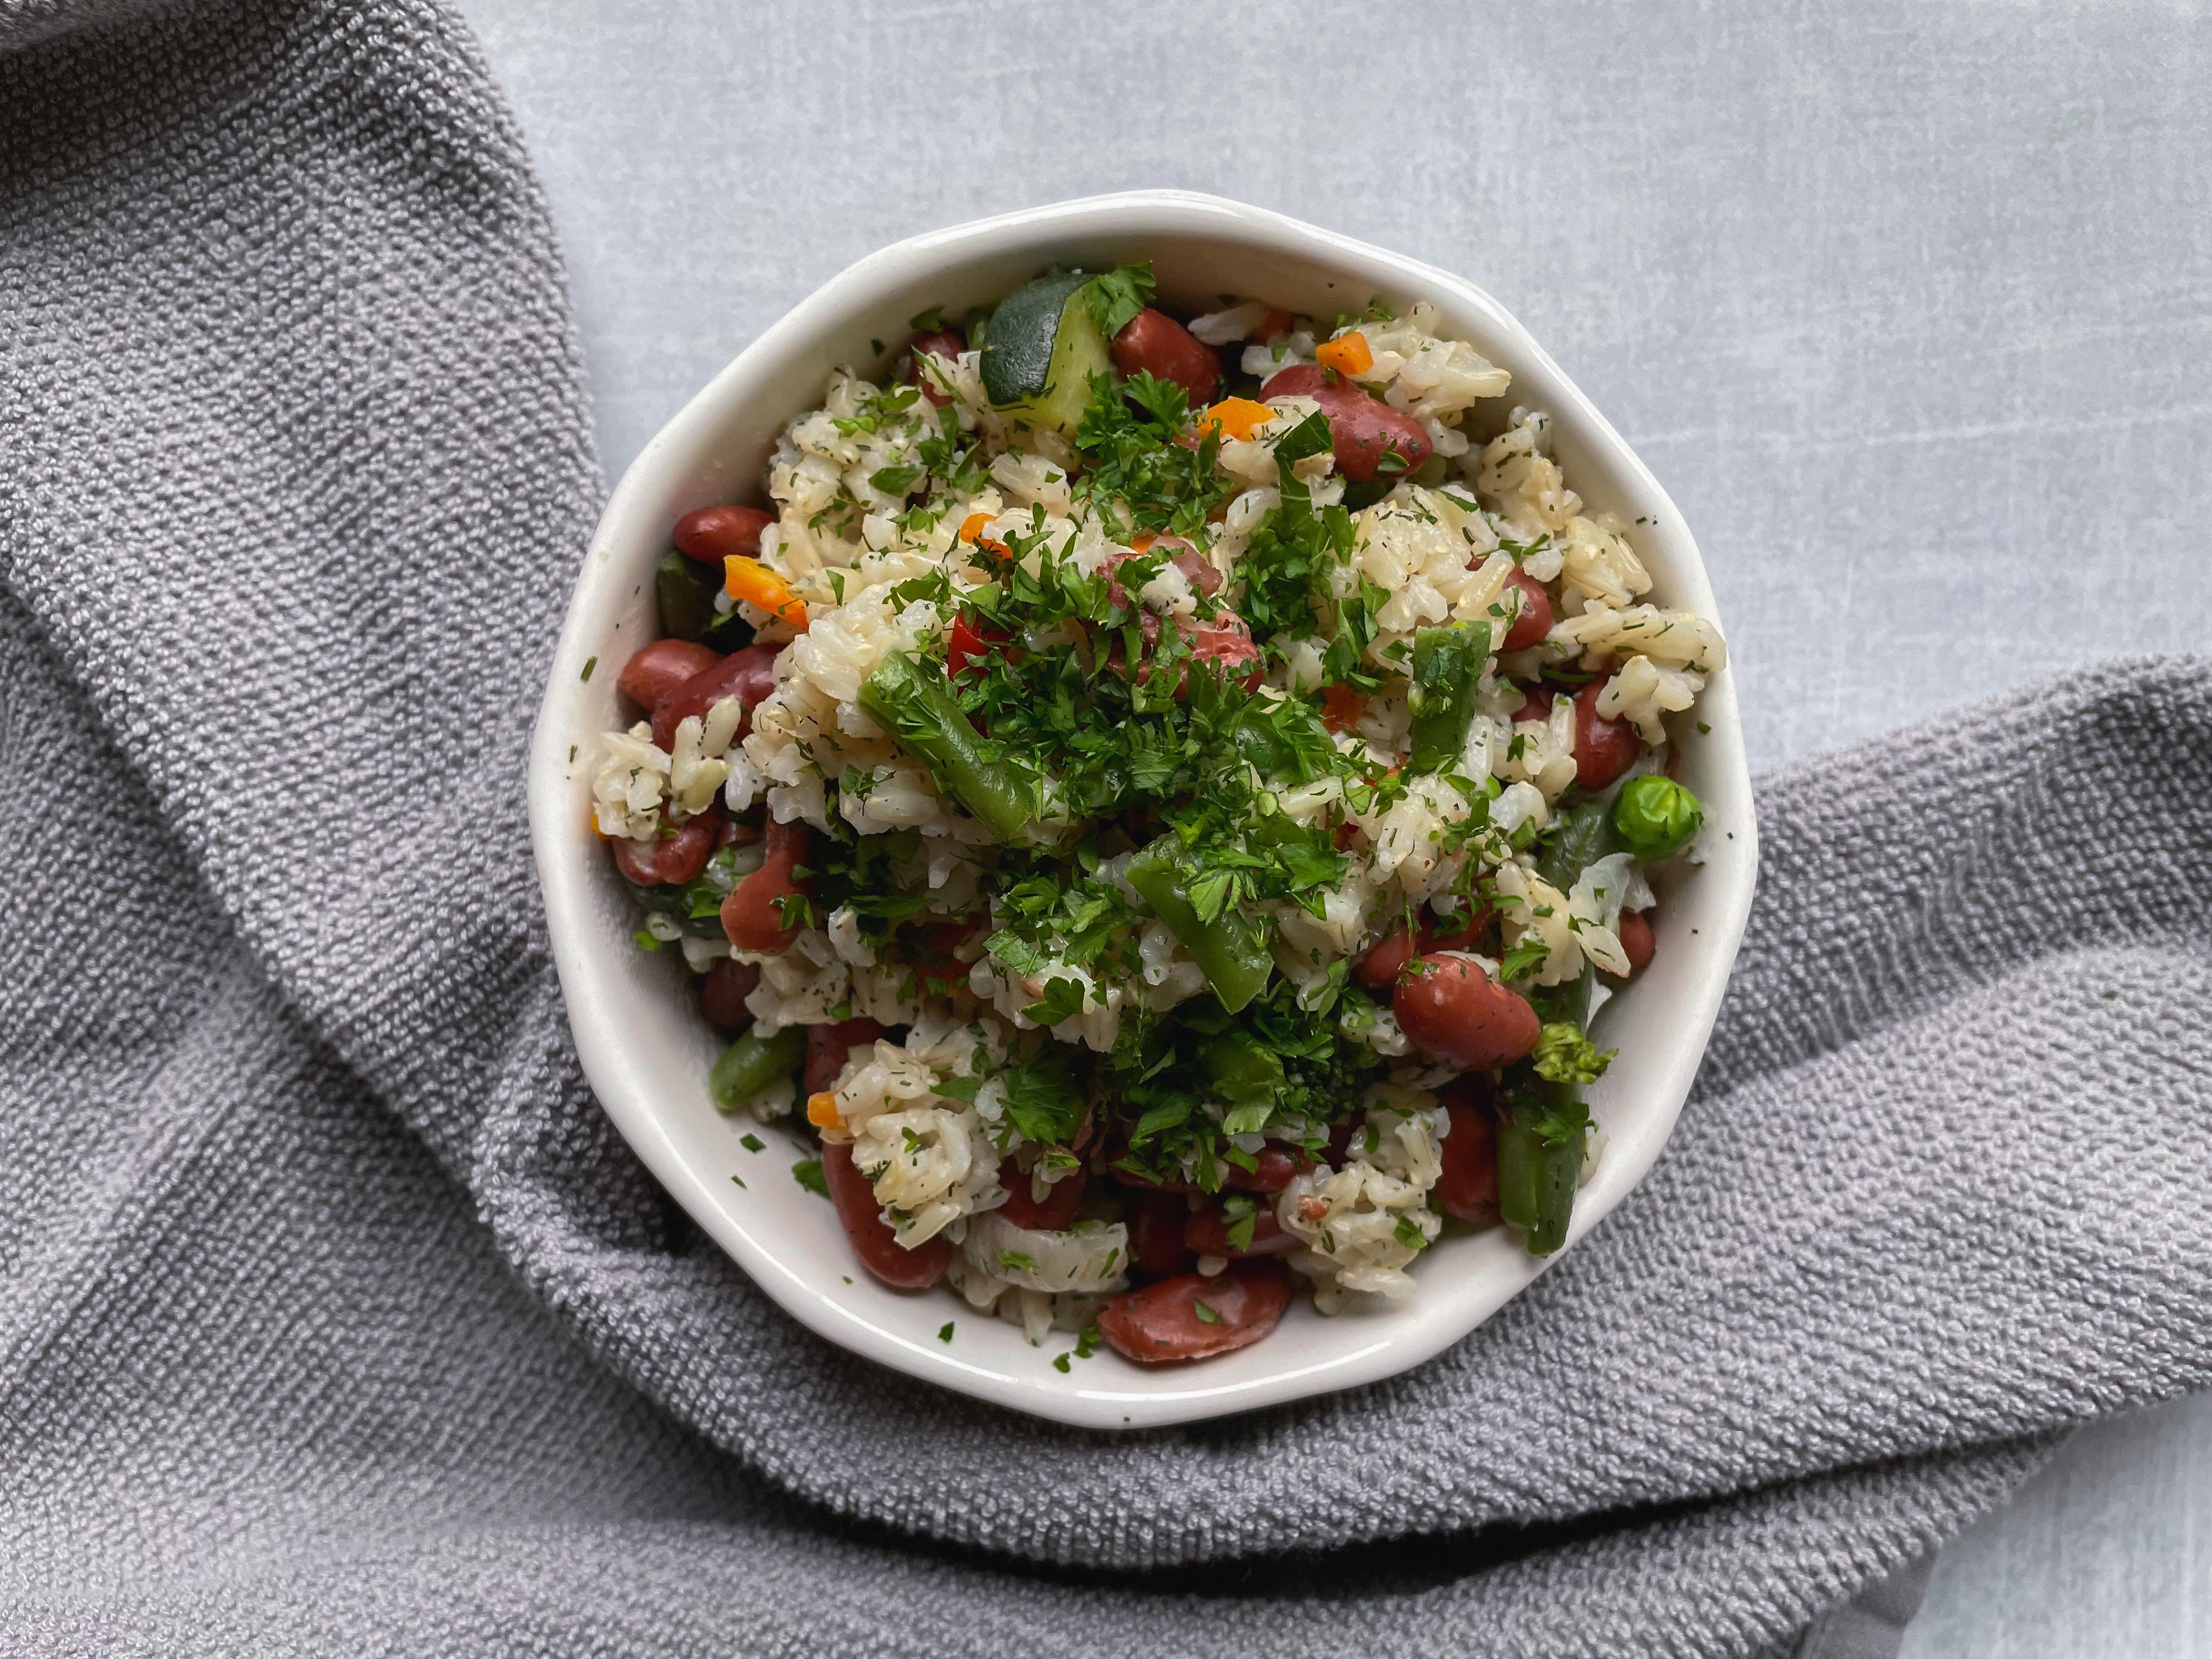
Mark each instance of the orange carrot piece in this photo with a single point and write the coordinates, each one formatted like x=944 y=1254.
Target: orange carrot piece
x=757 y=585
x=1236 y=418
x=1347 y=354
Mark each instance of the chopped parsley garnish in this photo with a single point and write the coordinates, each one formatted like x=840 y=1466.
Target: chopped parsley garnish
x=1523 y=959
x=1117 y=295
x=807 y=1172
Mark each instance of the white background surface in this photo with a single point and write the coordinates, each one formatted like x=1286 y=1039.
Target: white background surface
x=1910 y=310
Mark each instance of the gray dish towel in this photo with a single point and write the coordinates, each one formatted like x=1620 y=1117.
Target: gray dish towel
x=334 y=1317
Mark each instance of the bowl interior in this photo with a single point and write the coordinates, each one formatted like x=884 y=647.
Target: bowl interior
x=646 y=1052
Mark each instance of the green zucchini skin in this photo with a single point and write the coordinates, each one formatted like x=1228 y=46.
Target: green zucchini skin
x=1041 y=350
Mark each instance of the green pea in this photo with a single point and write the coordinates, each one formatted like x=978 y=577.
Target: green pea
x=752 y=1062
x=1654 y=815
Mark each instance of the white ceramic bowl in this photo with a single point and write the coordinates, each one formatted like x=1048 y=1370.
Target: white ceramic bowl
x=642 y=1043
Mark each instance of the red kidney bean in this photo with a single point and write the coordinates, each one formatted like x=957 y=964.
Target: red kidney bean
x=1273 y=324
x=1361 y=429
x=1056 y=1214
x=1162 y=1323
x=1154 y=343
x=1637 y=943
x=672 y=860
x=1468 y=1186
x=722 y=994
x=1604 y=749
x=715 y=533
x=748 y=675
x=1224 y=640
x=871 y=1235
x=1441 y=933
x=1536 y=618
x=1536 y=704
x=1155 y=1221
x=935 y=343
x=935 y=954
x=828 y=1046
x=1277 y=1166
x=1378 y=967
x=1455 y=1014
x=750 y=915
x=1206 y=1233
x=657 y=668
x=1194 y=564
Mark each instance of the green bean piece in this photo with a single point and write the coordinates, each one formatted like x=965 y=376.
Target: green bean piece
x=1230 y=951
x=1447 y=665
x=685 y=589
x=920 y=710
x=1540 y=1137
x=1655 y=817
x=753 y=1062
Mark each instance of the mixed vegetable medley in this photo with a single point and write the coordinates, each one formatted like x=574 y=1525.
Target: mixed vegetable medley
x=1157 y=802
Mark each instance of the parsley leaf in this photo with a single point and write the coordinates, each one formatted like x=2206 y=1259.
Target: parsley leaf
x=1061 y=998
x=1044 y=1099
x=1117 y=295
x=1523 y=959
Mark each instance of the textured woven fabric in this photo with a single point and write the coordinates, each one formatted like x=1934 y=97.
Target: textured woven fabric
x=334 y=1316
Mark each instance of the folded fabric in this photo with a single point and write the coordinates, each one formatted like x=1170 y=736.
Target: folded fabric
x=333 y=1313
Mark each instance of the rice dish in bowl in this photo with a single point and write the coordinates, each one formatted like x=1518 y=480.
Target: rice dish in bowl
x=1158 y=802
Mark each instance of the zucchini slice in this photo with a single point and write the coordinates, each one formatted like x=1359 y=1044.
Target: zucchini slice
x=1040 y=352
